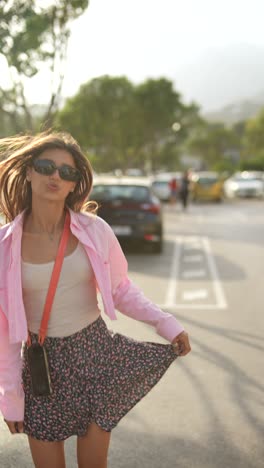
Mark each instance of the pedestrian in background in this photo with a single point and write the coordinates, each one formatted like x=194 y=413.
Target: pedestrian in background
x=184 y=189
x=74 y=376
x=173 y=190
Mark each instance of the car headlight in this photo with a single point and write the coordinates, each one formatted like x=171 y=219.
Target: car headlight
x=234 y=186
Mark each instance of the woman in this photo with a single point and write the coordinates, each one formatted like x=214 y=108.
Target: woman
x=96 y=376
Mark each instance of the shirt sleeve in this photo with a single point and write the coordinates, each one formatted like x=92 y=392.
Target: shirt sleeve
x=11 y=391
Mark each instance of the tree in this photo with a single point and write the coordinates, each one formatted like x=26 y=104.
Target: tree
x=214 y=143
x=123 y=124
x=30 y=36
x=254 y=136
x=159 y=106
x=101 y=116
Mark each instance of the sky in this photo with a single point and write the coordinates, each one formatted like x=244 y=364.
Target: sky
x=144 y=39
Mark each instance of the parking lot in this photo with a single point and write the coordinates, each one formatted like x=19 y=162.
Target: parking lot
x=207 y=410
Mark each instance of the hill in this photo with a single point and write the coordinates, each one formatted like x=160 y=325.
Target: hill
x=236 y=112
x=229 y=80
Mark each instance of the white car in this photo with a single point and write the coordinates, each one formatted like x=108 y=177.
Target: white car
x=160 y=184
x=244 y=184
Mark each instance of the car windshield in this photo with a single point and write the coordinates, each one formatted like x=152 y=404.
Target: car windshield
x=120 y=192
x=160 y=183
x=245 y=179
x=207 y=180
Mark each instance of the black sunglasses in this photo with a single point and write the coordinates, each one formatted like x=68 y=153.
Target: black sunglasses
x=48 y=167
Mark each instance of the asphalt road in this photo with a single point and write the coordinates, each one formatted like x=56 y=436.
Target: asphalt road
x=208 y=410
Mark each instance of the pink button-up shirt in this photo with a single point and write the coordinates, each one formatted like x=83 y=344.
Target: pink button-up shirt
x=116 y=289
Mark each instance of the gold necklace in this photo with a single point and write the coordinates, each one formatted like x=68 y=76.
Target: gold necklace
x=51 y=235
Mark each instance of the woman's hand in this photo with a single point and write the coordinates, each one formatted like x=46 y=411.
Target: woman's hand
x=15 y=427
x=181 y=344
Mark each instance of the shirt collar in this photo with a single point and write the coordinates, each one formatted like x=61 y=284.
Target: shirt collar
x=13 y=226
x=79 y=224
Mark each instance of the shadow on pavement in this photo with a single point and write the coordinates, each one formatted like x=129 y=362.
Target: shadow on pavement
x=159 y=451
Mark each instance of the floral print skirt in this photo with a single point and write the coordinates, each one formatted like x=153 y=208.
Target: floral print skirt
x=96 y=376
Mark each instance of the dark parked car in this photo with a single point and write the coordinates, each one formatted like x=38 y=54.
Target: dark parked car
x=131 y=208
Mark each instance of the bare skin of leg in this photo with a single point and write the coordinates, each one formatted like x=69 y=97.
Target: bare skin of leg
x=92 y=449
x=47 y=454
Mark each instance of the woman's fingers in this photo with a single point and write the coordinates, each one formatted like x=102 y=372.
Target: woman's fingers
x=20 y=427
x=181 y=344
x=15 y=427
x=11 y=426
x=185 y=345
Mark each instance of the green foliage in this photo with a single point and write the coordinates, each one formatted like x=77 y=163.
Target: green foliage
x=253 y=164
x=214 y=142
x=254 y=137
x=159 y=106
x=31 y=35
x=100 y=117
x=225 y=165
x=124 y=124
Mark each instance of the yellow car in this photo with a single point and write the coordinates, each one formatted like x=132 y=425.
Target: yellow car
x=206 y=186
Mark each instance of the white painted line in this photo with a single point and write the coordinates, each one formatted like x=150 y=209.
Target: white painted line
x=192 y=274
x=192 y=258
x=170 y=297
x=194 y=294
x=192 y=246
x=192 y=239
x=219 y=292
x=171 y=290
x=192 y=242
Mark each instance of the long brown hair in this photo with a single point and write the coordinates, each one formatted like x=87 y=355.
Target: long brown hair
x=16 y=155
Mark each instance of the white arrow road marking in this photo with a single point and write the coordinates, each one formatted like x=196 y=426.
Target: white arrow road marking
x=192 y=258
x=213 y=277
x=192 y=246
x=191 y=274
x=194 y=294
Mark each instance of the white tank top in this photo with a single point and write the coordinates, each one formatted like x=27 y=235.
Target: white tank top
x=75 y=304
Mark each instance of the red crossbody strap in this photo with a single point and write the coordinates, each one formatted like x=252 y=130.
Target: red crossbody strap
x=54 y=280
